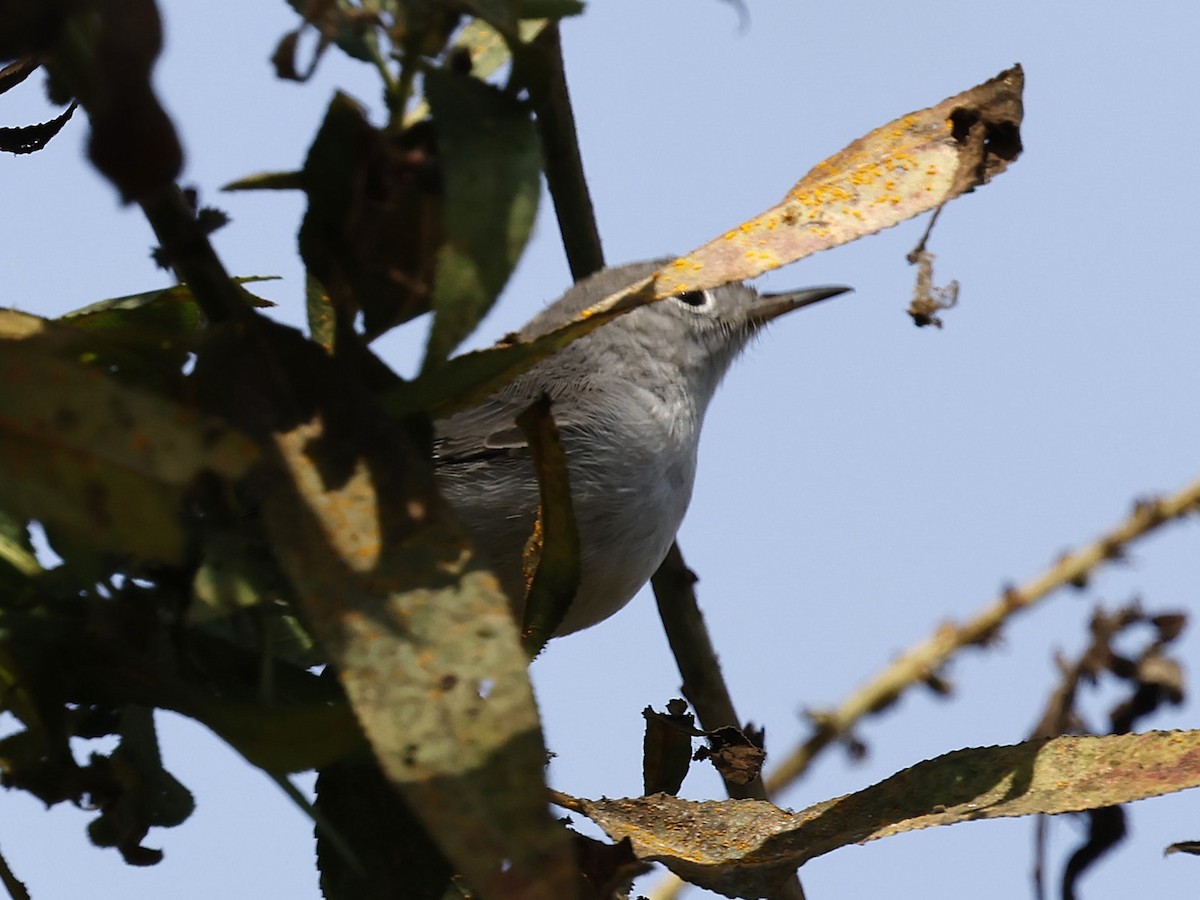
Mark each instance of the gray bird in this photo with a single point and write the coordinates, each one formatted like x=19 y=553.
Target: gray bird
x=628 y=400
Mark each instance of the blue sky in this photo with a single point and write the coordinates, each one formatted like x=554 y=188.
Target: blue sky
x=860 y=481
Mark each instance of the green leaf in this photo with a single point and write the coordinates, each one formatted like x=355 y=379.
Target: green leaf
x=491 y=166
x=746 y=848
x=354 y=34
x=488 y=51
x=282 y=738
x=471 y=377
x=17 y=559
x=170 y=310
x=144 y=338
x=106 y=462
x=551 y=9
x=320 y=311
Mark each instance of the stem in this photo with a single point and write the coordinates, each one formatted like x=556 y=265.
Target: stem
x=189 y=253
x=923 y=661
x=703 y=685
x=547 y=83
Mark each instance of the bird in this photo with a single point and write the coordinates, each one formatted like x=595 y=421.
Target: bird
x=629 y=401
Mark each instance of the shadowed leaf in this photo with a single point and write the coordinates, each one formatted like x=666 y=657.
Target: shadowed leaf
x=491 y=169
x=552 y=554
x=106 y=461
x=374 y=218
x=31 y=138
x=667 y=748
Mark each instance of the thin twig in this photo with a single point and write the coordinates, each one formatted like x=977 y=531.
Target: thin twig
x=703 y=685
x=923 y=661
x=15 y=887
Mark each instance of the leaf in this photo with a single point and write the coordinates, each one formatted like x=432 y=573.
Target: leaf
x=106 y=461
x=552 y=554
x=17 y=559
x=17 y=71
x=320 y=312
x=965 y=140
x=467 y=379
x=268 y=181
x=491 y=169
x=487 y=50
x=667 y=748
x=31 y=138
x=342 y=22
x=374 y=218
x=356 y=799
x=913 y=164
x=745 y=848
x=170 y=310
x=420 y=637
x=428 y=655
x=281 y=737
x=551 y=9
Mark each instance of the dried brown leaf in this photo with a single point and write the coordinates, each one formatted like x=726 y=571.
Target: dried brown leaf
x=745 y=848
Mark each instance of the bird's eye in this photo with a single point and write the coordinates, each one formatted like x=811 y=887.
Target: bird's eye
x=692 y=298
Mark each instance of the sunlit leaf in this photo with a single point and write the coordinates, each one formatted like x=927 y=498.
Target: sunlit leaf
x=745 y=848
x=420 y=637
x=910 y=165
x=487 y=50
x=950 y=148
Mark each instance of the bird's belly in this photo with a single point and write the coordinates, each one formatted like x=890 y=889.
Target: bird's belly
x=625 y=534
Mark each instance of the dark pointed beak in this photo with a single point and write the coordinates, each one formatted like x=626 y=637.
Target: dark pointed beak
x=771 y=306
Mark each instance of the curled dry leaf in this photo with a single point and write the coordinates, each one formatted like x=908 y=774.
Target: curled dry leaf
x=552 y=553
x=667 y=747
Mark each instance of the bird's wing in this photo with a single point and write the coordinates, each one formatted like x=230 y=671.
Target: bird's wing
x=482 y=431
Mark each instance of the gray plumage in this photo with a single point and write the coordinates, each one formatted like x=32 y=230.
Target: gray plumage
x=629 y=400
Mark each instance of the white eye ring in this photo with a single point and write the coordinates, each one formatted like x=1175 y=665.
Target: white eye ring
x=694 y=299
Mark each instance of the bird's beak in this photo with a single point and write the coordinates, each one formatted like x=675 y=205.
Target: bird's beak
x=771 y=306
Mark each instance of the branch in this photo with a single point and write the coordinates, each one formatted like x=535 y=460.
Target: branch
x=547 y=83
x=187 y=250
x=922 y=662
x=703 y=685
